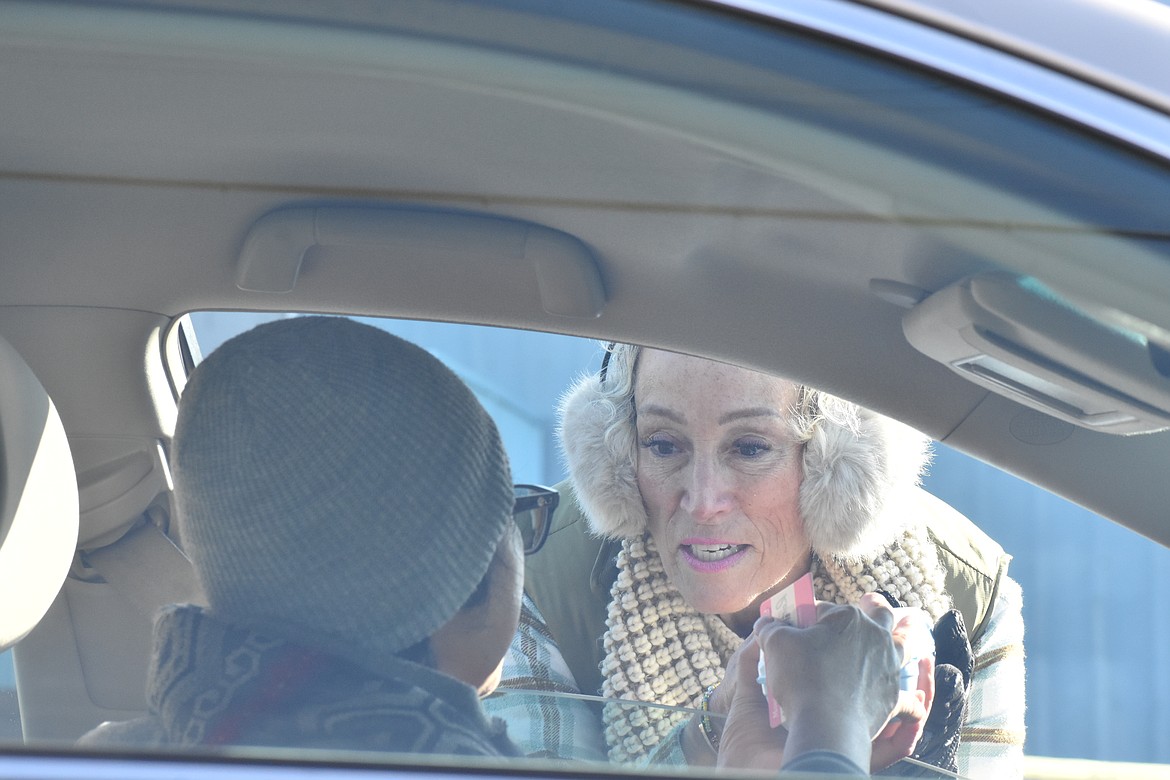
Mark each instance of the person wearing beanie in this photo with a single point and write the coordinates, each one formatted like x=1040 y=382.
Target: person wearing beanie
x=347 y=505
x=696 y=491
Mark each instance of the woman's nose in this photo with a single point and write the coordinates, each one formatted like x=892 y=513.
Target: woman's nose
x=709 y=494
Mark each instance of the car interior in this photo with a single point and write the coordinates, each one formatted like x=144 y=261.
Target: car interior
x=861 y=197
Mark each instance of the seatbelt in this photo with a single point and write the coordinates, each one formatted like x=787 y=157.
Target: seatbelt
x=147 y=568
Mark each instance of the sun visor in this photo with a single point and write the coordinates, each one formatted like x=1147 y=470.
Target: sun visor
x=1021 y=339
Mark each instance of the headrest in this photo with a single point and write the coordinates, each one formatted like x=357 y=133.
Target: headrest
x=38 y=499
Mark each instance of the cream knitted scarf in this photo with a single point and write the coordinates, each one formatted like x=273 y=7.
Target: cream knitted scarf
x=659 y=649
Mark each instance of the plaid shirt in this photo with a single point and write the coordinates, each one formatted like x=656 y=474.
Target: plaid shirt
x=544 y=726
x=992 y=742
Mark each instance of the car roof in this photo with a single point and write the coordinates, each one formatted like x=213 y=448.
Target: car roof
x=1077 y=37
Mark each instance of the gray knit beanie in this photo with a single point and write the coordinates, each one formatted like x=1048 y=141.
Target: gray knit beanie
x=337 y=486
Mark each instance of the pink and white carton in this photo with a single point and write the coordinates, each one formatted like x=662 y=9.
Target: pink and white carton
x=796 y=606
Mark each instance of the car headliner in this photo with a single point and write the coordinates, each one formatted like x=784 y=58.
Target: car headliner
x=735 y=205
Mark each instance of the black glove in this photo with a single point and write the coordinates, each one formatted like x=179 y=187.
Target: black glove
x=953 y=665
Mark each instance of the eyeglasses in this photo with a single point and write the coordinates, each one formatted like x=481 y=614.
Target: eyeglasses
x=533 y=512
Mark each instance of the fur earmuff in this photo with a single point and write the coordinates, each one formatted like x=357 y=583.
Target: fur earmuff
x=602 y=458
x=851 y=474
x=854 y=465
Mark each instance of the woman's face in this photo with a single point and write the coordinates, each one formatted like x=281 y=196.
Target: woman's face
x=720 y=475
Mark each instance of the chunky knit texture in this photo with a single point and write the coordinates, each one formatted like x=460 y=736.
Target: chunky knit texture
x=659 y=649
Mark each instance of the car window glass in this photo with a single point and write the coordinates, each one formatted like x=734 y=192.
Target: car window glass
x=9 y=711
x=517 y=376
x=1060 y=550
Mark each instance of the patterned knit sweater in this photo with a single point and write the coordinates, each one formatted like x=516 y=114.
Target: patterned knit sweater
x=211 y=683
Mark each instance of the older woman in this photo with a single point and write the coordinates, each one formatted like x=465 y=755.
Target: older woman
x=713 y=487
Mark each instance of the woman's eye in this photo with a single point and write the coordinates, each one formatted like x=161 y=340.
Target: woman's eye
x=660 y=447
x=750 y=448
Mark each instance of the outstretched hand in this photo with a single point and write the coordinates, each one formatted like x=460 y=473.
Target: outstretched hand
x=747 y=741
x=849 y=650
x=739 y=717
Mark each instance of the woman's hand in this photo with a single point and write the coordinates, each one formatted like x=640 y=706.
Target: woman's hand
x=951 y=683
x=747 y=741
x=737 y=705
x=900 y=736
